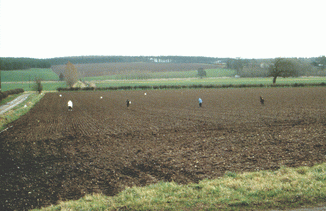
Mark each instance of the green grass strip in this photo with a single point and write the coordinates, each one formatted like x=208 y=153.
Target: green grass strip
x=9 y=98
x=19 y=110
x=284 y=188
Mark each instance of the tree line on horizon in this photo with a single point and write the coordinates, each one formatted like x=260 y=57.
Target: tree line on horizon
x=9 y=63
x=244 y=67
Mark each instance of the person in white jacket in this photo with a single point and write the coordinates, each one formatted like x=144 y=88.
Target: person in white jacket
x=69 y=105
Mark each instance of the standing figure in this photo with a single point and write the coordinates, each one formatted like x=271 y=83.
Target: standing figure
x=69 y=105
x=262 y=100
x=200 y=102
x=128 y=102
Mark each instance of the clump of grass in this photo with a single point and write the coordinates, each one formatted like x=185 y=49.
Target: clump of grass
x=19 y=110
x=287 y=187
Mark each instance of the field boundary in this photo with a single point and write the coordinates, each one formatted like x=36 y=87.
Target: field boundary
x=13 y=103
x=194 y=86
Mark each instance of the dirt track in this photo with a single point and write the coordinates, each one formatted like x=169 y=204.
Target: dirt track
x=12 y=104
x=51 y=154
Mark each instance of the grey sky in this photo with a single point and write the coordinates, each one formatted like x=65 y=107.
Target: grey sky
x=229 y=28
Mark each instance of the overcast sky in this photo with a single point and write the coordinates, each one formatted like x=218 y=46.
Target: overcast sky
x=213 y=28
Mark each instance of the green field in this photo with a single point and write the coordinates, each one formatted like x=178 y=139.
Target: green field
x=28 y=86
x=209 y=81
x=25 y=79
x=28 y=75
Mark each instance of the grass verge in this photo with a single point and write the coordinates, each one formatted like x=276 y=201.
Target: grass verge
x=284 y=188
x=9 y=98
x=19 y=110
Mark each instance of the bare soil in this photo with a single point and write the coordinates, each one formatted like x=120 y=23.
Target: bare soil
x=102 y=146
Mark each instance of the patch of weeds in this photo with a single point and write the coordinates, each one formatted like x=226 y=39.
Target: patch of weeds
x=241 y=203
x=302 y=170
x=283 y=170
x=320 y=177
x=197 y=187
x=231 y=174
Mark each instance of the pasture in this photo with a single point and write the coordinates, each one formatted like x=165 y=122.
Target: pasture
x=51 y=154
x=209 y=81
x=45 y=74
x=25 y=79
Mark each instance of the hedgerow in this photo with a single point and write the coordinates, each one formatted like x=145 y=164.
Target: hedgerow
x=5 y=94
x=194 y=86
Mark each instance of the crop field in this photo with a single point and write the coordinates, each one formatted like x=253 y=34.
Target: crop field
x=134 y=69
x=52 y=154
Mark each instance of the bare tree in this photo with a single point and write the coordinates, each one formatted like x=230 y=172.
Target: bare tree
x=201 y=72
x=61 y=77
x=38 y=85
x=282 y=67
x=71 y=74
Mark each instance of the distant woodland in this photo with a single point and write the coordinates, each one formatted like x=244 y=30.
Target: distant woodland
x=244 y=67
x=23 y=63
x=8 y=63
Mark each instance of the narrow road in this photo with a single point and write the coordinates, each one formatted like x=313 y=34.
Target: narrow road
x=13 y=103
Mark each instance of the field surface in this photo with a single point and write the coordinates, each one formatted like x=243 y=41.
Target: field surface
x=102 y=69
x=29 y=75
x=53 y=154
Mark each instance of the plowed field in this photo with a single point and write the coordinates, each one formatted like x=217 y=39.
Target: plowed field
x=53 y=154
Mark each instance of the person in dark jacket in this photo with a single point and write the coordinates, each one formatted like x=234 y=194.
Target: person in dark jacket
x=128 y=102
x=261 y=100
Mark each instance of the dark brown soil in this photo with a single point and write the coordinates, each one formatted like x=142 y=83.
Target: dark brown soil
x=52 y=154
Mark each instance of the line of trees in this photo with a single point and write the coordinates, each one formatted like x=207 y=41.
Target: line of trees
x=8 y=63
x=278 y=67
x=112 y=59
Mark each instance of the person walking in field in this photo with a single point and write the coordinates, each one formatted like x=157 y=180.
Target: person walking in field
x=200 y=102
x=69 y=105
x=261 y=100
x=128 y=102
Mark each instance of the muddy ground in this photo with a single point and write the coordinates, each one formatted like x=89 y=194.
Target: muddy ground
x=53 y=154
